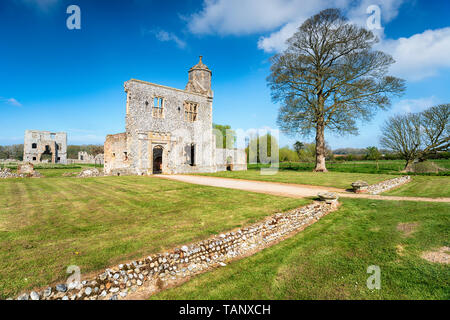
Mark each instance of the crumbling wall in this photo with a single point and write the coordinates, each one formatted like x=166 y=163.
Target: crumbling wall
x=173 y=132
x=86 y=157
x=116 y=155
x=36 y=143
x=178 y=122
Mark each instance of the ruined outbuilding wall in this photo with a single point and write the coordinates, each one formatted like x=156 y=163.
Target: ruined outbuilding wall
x=116 y=154
x=231 y=159
x=36 y=142
x=86 y=158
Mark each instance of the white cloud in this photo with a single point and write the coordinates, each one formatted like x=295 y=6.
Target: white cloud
x=168 y=36
x=414 y=105
x=165 y=36
x=421 y=55
x=11 y=102
x=355 y=11
x=238 y=17
x=417 y=57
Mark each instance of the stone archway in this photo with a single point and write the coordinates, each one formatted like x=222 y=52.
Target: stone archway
x=229 y=163
x=47 y=155
x=157 y=159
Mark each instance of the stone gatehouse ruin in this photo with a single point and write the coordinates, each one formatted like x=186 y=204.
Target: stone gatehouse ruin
x=45 y=146
x=169 y=131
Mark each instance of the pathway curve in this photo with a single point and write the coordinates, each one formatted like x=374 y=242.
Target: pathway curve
x=285 y=189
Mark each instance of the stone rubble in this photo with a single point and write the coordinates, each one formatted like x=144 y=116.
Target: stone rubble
x=91 y=172
x=328 y=197
x=388 y=184
x=7 y=173
x=117 y=282
x=360 y=186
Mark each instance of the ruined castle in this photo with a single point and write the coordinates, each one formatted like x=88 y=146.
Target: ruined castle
x=170 y=131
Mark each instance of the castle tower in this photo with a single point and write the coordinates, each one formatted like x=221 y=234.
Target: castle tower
x=200 y=79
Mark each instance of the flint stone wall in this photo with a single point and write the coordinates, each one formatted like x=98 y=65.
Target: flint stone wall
x=388 y=184
x=172 y=132
x=154 y=128
x=56 y=142
x=187 y=260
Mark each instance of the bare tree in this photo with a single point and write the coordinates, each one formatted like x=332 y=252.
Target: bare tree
x=329 y=77
x=436 y=130
x=416 y=135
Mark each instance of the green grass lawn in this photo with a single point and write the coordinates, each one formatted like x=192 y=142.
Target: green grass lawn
x=329 y=259
x=45 y=222
x=329 y=179
x=424 y=186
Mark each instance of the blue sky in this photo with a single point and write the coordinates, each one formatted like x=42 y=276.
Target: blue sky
x=53 y=78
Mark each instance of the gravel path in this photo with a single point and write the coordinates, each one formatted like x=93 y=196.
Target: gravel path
x=285 y=189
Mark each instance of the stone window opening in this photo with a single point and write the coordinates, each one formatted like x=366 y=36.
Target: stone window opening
x=34 y=158
x=47 y=155
x=34 y=146
x=192 y=163
x=190 y=111
x=158 y=107
x=128 y=101
x=125 y=154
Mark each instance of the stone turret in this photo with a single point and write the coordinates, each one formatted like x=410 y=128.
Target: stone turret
x=200 y=79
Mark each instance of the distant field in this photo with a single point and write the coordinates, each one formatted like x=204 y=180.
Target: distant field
x=384 y=166
x=45 y=222
x=329 y=259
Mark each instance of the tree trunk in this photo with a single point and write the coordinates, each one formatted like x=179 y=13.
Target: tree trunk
x=320 y=148
x=409 y=165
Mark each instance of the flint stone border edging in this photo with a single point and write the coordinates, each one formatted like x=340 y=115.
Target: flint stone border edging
x=117 y=282
x=388 y=184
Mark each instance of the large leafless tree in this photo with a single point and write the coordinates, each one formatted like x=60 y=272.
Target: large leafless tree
x=329 y=77
x=416 y=135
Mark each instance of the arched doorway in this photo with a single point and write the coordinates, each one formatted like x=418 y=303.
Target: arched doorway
x=47 y=155
x=157 y=159
x=229 y=163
